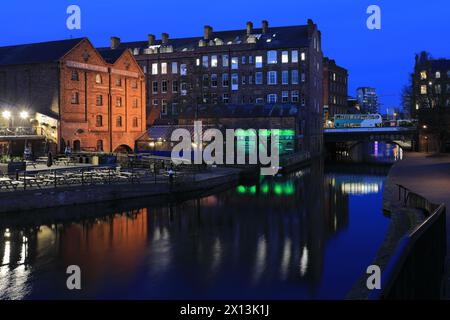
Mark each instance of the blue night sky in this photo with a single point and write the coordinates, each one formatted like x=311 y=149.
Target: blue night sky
x=379 y=58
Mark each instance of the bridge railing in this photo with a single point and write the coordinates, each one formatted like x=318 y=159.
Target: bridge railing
x=18 y=131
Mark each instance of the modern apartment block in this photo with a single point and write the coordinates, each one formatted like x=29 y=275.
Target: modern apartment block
x=92 y=100
x=335 y=89
x=367 y=99
x=430 y=102
x=259 y=67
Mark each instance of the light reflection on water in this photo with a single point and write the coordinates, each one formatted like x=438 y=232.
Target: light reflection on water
x=307 y=235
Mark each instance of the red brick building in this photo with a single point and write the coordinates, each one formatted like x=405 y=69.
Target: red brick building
x=335 y=89
x=96 y=96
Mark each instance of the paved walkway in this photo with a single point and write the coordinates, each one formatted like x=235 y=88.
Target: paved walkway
x=429 y=176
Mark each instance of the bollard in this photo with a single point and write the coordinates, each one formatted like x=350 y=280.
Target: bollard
x=24 y=180
x=54 y=178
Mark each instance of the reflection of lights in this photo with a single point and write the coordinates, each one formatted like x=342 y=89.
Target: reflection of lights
x=151 y=144
x=286 y=258
x=304 y=261
x=360 y=188
x=6 y=253
x=7 y=233
x=261 y=254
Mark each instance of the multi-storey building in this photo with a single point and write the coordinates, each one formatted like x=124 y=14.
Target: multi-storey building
x=256 y=66
x=367 y=99
x=335 y=89
x=430 y=102
x=90 y=99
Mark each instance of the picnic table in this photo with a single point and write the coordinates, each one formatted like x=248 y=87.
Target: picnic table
x=8 y=183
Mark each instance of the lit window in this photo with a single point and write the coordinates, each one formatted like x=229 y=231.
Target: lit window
x=294 y=74
x=423 y=89
x=285 y=77
x=284 y=96
x=214 y=61
x=272 y=77
x=225 y=81
x=234 y=81
x=303 y=77
x=205 y=61
x=225 y=61
x=271 y=57
x=438 y=74
x=423 y=75
x=154 y=68
x=234 y=63
x=303 y=56
x=183 y=69
x=294 y=56
x=294 y=96
x=272 y=98
x=258 y=61
x=197 y=62
x=258 y=78
x=98 y=78
x=174 y=67
x=163 y=67
x=285 y=57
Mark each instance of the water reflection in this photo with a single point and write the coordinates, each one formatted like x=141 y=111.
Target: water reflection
x=306 y=235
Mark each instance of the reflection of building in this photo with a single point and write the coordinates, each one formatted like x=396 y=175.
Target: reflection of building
x=335 y=89
x=367 y=99
x=430 y=102
x=96 y=97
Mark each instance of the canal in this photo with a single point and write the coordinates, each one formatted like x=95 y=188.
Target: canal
x=309 y=234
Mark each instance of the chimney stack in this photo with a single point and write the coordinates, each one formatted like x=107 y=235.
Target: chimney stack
x=151 y=39
x=249 y=28
x=164 y=38
x=265 y=26
x=207 y=32
x=115 y=42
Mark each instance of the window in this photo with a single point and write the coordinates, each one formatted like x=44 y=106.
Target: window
x=285 y=96
x=258 y=62
x=250 y=79
x=285 y=77
x=225 y=80
x=438 y=74
x=164 y=86
x=205 y=61
x=197 y=62
x=303 y=77
x=259 y=101
x=164 y=106
x=98 y=78
x=75 y=98
x=213 y=61
x=285 y=57
x=272 y=77
x=250 y=59
x=155 y=102
x=243 y=60
x=175 y=86
x=205 y=81
x=438 y=89
x=234 y=81
x=118 y=101
x=423 y=75
x=294 y=75
x=99 y=121
x=135 y=122
x=183 y=88
x=154 y=68
x=183 y=69
x=144 y=68
x=214 y=80
x=294 y=56
x=99 y=100
x=135 y=103
x=75 y=75
x=303 y=56
x=119 y=121
x=155 y=87
x=134 y=84
x=423 y=89
x=271 y=57
x=118 y=82
x=163 y=67
x=225 y=98
x=294 y=96
x=174 y=67
x=225 y=62
x=234 y=63
x=258 y=78
x=99 y=145
x=174 y=108
x=272 y=98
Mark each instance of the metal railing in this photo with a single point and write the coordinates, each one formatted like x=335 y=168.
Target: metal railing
x=416 y=268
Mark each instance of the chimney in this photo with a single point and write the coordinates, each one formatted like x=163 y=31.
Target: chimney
x=115 y=42
x=265 y=26
x=207 y=32
x=249 y=28
x=151 y=39
x=164 y=38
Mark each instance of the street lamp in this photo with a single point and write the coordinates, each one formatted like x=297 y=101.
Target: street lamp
x=424 y=126
x=24 y=115
x=6 y=114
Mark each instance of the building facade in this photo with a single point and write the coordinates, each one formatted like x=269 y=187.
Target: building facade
x=430 y=102
x=367 y=100
x=260 y=66
x=96 y=98
x=335 y=89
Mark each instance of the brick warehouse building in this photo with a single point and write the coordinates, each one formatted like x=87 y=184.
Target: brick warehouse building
x=254 y=66
x=335 y=89
x=95 y=97
x=430 y=102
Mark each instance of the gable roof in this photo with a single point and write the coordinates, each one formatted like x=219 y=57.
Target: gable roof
x=111 y=55
x=41 y=52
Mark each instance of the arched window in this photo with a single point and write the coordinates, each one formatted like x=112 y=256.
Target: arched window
x=135 y=122
x=98 y=78
x=75 y=75
x=119 y=121
x=99 y=145
x=99 y=121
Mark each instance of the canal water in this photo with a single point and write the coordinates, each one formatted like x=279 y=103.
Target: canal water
x=307 y=235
